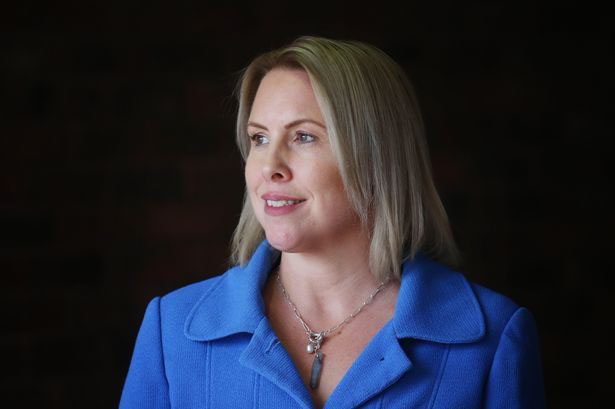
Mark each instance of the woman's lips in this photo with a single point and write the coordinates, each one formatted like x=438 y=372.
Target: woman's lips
x=282 y=207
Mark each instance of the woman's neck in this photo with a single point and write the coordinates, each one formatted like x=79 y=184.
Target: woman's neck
x=327 y=286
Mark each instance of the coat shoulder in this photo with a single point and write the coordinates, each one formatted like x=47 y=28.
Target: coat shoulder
x=497 y=308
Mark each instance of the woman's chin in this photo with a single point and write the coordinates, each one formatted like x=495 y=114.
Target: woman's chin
x=283 y=241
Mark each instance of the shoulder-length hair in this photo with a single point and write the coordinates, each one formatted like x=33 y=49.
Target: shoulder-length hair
x=376 y=132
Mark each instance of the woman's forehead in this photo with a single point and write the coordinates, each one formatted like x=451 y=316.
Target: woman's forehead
x=285 y=95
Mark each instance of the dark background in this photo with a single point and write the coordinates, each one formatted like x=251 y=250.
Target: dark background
x=120 y=180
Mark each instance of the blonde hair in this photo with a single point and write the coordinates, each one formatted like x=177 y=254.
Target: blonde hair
x=376 y=133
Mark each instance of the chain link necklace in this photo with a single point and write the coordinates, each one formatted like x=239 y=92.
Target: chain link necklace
x=315 y=339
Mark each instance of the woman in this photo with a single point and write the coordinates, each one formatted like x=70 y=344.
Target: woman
x=341 y=297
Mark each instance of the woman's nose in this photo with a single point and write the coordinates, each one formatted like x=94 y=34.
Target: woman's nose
x=275 y=166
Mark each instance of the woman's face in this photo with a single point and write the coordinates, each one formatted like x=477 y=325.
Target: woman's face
x=291 y=174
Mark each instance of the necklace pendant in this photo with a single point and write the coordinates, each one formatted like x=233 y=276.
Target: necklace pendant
x=316 y=368
x=314 y=341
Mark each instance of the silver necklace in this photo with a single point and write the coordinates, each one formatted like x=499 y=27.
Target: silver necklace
x=315 y=339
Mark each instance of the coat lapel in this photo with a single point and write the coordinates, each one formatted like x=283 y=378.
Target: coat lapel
x=235 y=303
x=379 y=366
x=436 y=304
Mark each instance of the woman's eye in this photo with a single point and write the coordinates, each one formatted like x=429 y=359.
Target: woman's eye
x=303 y=137
x=258 y=139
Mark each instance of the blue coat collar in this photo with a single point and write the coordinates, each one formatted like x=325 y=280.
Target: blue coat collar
x=434 y=303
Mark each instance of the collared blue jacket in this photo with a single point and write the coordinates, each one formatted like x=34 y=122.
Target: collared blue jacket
x=450 y=344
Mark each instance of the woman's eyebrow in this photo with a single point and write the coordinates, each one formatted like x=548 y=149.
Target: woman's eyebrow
x=289 y=125
x=257 y=125
x=300 y=121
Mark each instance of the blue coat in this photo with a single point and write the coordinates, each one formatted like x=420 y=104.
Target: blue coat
x=450 y=344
